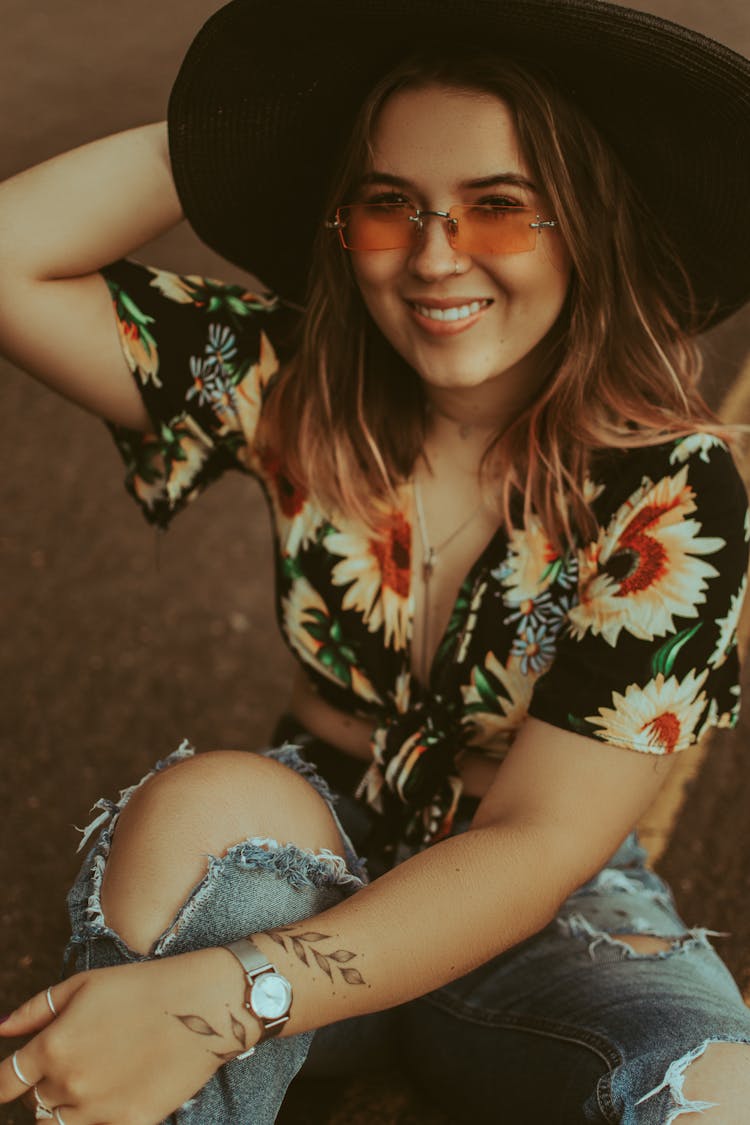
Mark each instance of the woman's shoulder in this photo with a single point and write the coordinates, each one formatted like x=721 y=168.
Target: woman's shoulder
x=695 y=471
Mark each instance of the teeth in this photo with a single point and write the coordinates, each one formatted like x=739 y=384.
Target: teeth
x=458 y=312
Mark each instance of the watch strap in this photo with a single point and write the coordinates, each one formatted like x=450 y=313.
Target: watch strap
x=249 y=956
x=254 y=963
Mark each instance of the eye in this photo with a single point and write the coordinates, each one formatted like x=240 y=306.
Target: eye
x=395 y=197
x=501 y=202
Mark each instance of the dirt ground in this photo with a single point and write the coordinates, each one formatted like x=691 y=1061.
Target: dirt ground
x=118 y=643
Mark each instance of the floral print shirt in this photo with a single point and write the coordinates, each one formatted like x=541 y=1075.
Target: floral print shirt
x=630 y=638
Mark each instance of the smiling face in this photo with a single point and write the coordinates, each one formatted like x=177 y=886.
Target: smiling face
x=470 y=324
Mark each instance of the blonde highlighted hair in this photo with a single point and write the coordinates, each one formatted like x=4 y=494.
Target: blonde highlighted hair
x=623 y=366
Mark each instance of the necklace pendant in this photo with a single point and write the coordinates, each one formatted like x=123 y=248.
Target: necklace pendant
x=428 y=564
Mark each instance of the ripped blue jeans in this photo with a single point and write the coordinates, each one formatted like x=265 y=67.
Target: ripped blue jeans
x=570 y=1026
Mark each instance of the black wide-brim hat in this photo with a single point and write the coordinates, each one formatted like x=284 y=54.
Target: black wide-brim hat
x=269 y=90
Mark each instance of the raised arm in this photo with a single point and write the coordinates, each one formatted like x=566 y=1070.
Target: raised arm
x=60 y=222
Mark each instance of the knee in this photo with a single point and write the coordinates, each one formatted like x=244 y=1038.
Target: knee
x=196 y=808
x=208 y=802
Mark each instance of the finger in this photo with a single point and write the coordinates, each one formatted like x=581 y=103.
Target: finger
x=37 y=1102
x=70 y=1115
x=36 y=1013
x=18 y=1074
x=45 y=1093
x=51 y=1093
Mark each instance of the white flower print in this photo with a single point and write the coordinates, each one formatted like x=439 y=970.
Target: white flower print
x=535 y=646
x=209 y=385
x=695 y=443
x=728 y=627
x=221 y=346
x=658 y=718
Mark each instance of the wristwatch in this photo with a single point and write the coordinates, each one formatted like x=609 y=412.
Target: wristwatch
x=269 y=994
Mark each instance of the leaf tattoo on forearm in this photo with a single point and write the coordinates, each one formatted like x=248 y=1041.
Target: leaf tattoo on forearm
x=327 y=962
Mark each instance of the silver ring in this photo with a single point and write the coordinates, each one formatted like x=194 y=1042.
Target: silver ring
x=43 y=1112
x=50 y=1003
x=18 y=1071
x=39 y=1102
x=58 y=1116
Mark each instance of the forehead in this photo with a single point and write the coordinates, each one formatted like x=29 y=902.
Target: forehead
x=445 y=130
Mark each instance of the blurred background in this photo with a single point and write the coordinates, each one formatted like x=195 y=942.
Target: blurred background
x=118 y=643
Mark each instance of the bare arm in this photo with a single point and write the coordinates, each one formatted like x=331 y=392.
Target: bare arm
x=561 y=805
x=60 y=222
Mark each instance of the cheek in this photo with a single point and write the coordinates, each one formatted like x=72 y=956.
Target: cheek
x=545 y=284
x=374 y=273
x=558 y=266
x=377 y=288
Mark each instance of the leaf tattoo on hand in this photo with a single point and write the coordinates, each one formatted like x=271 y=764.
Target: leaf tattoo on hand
x=326 y=962
x=198 y=1025
x=238 y=1031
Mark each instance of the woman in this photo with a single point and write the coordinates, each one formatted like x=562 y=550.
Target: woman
x=510 y=555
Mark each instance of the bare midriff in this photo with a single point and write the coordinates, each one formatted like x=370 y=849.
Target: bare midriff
x=352 y=735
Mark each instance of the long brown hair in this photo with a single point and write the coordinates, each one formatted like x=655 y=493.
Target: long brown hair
x=623 y=365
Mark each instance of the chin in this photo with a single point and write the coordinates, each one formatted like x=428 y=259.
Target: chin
x=457 y=380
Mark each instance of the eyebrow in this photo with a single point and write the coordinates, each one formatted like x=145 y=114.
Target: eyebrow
x=513 y=179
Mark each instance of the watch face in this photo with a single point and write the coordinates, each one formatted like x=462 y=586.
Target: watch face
x=271 y=996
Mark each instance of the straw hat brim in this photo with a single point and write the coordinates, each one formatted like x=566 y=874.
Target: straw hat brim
x=267 y=93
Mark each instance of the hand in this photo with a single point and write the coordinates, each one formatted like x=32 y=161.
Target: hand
x=131 y=1043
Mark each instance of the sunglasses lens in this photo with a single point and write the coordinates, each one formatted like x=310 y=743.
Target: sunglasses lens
x=482 y=229
x=375 y=226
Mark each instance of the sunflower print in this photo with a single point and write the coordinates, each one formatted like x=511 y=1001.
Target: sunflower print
x=496 y=701
x=377 y=572
x=647 y=567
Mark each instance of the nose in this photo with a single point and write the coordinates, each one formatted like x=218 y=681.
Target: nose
x=433 y=258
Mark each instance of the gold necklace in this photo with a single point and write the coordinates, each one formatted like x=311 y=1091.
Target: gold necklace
x=430 y=555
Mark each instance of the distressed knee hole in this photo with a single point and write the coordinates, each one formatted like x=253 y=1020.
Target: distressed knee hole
x=202 y=807
x=644 y=943
x=604 y=946
x=714 y=1076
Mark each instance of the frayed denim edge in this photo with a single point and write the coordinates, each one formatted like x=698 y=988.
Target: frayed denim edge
x=110 y=809
x=577 y=926
x=289 y=755
x=297 y=866
x=674 y=1079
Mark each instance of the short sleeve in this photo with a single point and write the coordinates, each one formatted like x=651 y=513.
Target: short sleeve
x=202 y=356
x=648 y=658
